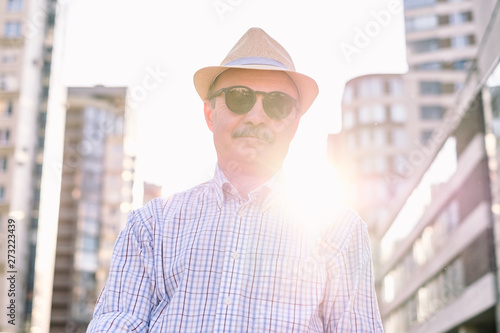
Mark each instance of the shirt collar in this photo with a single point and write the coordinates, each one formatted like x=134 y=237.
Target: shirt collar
x=266 y=192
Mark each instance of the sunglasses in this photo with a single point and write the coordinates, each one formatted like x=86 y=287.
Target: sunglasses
x=241 y=99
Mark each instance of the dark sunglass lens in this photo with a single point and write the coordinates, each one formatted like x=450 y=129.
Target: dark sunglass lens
x=278 y=105
x=240 y=99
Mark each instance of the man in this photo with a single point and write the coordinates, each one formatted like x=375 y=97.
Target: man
x=235 y=254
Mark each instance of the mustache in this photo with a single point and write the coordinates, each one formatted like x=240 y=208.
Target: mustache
x=262 y=133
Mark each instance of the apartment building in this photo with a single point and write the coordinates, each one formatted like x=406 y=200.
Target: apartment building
x=96 y=196
x=374 y=138
x=31 y=112
x=388 y=119
x=439 y=254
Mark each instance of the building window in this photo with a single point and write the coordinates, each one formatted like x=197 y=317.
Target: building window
x=396 y=87
x=426 y=136
x=423 y=46
x=9 y=57
x=371 y=87
x=446 y=223
x=399 y=137
x=3 y=164
x=461 y=64
x=408 y=4
x=458 y=42
x=14 y=5
x=2 y=193
x=12 y=30
x=379 y=137
x=430 y=88
x=431 y=112
x=452 y=216
x=420 y=23
x=443 y=20
x=364 y=114
x=91 y=226
x=8 y=109
x=398 y=113
x=430 y=66
x=8 y=82
x=3 y=82
x=378 y=115
x=372 y=114
x=460 y=18
x=89 y=244
x=4 y=136
x=348 y=119
x=462 y=41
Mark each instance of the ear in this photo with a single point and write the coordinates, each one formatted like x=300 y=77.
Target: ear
x=208 y=111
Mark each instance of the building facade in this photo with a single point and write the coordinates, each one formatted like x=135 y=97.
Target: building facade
x=374 y=138
x=31 y=115
x=439 y=253
x=387 y=117
x=428 y=194
x=96 y=195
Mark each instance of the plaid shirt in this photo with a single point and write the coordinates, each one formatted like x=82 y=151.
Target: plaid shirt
x=206 y=260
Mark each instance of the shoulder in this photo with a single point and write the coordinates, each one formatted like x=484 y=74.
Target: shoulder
x=163 y=205
x=158 y=210
x=345 y=221
x=347 y=232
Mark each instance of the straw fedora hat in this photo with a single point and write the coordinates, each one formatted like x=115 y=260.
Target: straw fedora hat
x=256 y=50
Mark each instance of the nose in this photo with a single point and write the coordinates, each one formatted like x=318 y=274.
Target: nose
x=257 y=115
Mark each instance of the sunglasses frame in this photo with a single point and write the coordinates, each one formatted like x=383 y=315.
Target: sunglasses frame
x=255 y=93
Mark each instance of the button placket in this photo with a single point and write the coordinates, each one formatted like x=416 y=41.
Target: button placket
x=229 y=287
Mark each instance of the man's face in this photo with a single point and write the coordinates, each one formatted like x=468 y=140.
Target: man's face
x=251 y=142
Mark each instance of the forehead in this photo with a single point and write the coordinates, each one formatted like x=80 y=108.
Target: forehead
x=260 y=80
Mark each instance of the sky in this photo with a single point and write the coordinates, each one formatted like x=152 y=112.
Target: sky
x=155 y=47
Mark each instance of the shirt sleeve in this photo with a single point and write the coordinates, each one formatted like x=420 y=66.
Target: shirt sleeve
x=126 y=302
x=350 y=303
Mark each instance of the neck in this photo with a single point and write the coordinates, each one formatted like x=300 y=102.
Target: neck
x=245 y=182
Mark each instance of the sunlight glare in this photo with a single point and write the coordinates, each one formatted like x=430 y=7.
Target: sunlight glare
x=314 y=194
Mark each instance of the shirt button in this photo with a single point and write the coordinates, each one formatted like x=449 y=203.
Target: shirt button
x=235 y=255
x=241 y=212
x=227 y=301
